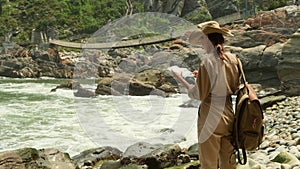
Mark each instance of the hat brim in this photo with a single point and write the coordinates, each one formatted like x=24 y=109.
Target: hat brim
x=222 y=31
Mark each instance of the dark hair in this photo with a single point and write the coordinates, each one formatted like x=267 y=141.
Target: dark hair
x=217 y=41
x=216 y=38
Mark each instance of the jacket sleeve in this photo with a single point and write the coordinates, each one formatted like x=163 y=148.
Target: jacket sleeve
x=193 y=92
x=203 y=81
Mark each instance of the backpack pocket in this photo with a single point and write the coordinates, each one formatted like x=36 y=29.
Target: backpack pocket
x=251 y=140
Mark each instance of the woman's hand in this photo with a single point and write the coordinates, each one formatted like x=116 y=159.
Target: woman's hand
x=252 y=93
x=178 y=74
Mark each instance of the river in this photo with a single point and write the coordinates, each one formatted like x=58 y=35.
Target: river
x=32 y=116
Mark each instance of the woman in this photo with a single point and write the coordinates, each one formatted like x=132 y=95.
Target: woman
x=218 y=78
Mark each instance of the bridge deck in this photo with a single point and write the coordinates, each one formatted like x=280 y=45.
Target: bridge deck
x=119 y=44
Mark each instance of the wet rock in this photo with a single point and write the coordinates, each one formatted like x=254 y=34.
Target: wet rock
x=162 y=157
x=152 y=77
x=148 y=82
x=97 y=156
x=193 y=151
x=111 y=164
x=70 y=84
x=104 y=87
x=35 y=159
x=82 y=92
x=286 y=158
x=191 y=103
x=165 y=156
x=140 y=149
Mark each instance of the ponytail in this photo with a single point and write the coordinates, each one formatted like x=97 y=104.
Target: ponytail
x=220 y=51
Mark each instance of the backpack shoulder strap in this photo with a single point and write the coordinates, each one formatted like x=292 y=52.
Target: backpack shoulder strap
x=242 y=160
x=241 y=70
x=244 y=157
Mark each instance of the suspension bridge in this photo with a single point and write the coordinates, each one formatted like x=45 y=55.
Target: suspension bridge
x=112 y=45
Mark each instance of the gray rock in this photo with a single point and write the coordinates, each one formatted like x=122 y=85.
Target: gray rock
x=163 y=157
x=193 y=150
x=35 y=159
x=96 y=156
x=228 y=7
x=260 y=158
x=133 y=166
x=284 y=157
x=258 y=67
x=159 y=157
x=111 y=164
x=146 y=82
x=191 y=103
x=264 y=144
x=285 y=166
x=140 y=149
x=270 y=100
x=288 y=68
x=273 y=165
x=251 y=164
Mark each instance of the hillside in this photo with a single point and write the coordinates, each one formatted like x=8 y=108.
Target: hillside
x=76 y=19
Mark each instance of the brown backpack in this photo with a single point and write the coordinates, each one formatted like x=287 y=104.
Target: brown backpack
x=248 y=128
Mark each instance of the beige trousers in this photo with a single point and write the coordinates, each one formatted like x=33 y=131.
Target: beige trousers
x=216 y=150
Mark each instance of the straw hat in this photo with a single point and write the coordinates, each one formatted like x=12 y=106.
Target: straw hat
x=213 y=27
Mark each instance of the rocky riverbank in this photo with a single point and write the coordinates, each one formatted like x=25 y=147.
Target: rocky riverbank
x=280 y=150
x=267 y=45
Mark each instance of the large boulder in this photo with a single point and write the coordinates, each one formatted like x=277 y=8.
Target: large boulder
x=147 y=82
x=35 y=159
x=155 y=156
x=140 y=149
x=288 y=68
x=96 y=157
x=259 y=63
x=228 y=7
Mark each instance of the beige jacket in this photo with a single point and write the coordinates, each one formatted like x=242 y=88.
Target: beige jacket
x=210 y=74
x=217 y=80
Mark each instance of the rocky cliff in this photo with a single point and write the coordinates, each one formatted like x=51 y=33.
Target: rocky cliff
x=267 y=45
x=192 y=8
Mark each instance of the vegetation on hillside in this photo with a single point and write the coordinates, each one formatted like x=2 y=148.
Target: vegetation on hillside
x=61 y=18
x=67 y=18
